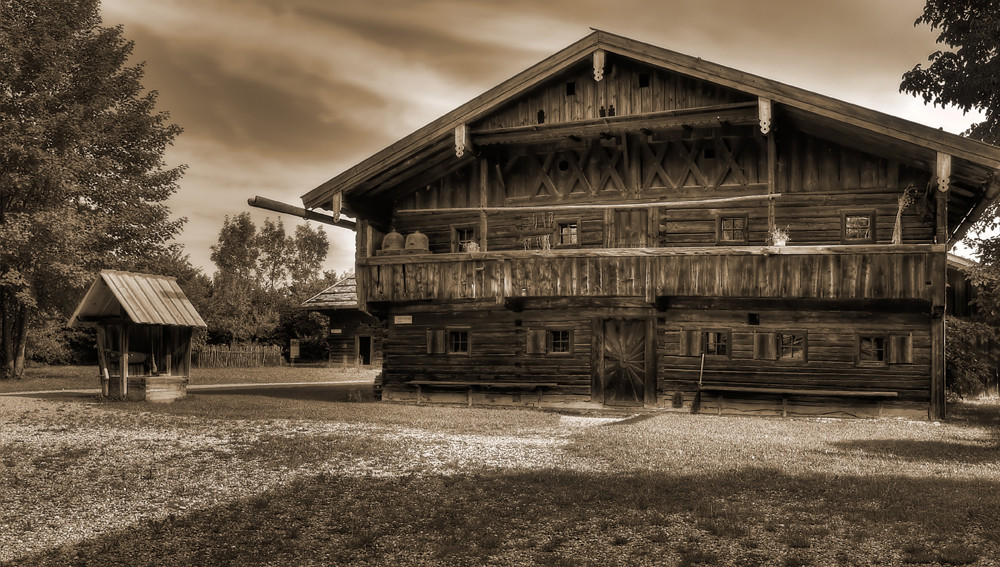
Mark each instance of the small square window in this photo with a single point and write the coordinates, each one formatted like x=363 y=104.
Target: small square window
x=733 y=229
x=791 y=346
x=643 y=80
x=871 y=350
x=568 y=234
x=570 y=89
x=458 y=342
x=465 y=239
x=559 y=341
x=716 y=343
x=858 y=227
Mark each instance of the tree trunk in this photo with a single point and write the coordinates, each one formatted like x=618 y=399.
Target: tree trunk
x=13 y=337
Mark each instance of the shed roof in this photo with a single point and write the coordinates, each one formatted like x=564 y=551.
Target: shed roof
x=341 y=295
x=143 y=298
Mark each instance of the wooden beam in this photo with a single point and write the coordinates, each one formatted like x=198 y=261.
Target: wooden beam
x=592 y=207
x=740 y=113
x=598 y=65
x=943 y=171
x=764 y=114
x=285 y=208
x=462 y=141
x=819 y=250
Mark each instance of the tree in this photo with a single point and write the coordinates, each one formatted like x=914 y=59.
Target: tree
x=82 y=176
x=261 y=278
x=967 y=75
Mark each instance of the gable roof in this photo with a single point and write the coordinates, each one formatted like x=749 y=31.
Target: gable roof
x=341 y=295
x=143 y=298
x=973 y=161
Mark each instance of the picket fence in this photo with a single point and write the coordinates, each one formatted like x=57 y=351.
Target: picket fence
x=237 y=356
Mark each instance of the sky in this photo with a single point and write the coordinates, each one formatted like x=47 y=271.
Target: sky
x=277 y=96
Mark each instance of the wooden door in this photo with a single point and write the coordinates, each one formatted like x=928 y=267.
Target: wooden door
x=624 y=362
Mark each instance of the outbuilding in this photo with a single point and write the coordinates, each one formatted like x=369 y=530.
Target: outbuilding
x=144 y=324
x=355 y=337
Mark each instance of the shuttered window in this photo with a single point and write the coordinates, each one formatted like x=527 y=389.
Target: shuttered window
x=690 y=343
x=901 y=349
x=765 y=346
x=448 y=341
x=791 y=346
x=536 y=341
x=550 y=341
x=436 y=341
x=871 y=350
x=709 y=343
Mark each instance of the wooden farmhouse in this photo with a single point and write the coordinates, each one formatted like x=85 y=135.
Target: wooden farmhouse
x=144 y=329
x=355 y=337
x=624 y=225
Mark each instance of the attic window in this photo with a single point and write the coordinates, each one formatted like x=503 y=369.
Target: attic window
x=708 y=153
x=541 y=117
x=643 y=80
x=570 y=88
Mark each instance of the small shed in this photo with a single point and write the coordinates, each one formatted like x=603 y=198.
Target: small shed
x=355 y=337
x=144 y=328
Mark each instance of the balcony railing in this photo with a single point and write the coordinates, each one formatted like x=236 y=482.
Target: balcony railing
x=907 y=272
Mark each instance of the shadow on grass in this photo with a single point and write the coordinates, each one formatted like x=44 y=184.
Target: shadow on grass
x=553 y=517
x=926 y=451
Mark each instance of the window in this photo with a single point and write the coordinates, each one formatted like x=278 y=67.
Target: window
x=716 y=343
x=458 y=342
x=558 y=341
x=709 y=343
x=858 y=227
x=570 y=89
x=871 y=350
x=464 y=239
x=791 y=346
x=568 y=233
x=448 y=341
x=732 y=229
x=550 y=341
x=643 y=80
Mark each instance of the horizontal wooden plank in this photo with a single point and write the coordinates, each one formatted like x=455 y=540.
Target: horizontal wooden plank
x=797 y=391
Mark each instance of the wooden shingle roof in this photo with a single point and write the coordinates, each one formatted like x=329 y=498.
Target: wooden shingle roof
x=142 y=298
x=341 y=295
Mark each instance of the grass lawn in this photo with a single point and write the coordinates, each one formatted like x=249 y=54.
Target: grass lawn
x=219 y=479
x=41 y=378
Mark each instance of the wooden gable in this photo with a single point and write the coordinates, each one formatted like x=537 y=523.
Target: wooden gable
x=680 y=126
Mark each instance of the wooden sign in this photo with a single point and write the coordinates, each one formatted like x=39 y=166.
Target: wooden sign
x=403 y=319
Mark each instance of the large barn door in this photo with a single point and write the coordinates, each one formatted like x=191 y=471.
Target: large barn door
x=623 y=364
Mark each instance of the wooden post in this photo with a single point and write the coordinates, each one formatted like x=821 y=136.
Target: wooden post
x=123 y=360
x=102 y=360
x=939 y=266
x=772 y=182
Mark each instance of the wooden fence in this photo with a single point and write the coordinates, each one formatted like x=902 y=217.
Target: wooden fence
x=237 y=356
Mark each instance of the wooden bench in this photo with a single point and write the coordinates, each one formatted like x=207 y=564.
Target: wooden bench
x=786 y=392
x=472 y=385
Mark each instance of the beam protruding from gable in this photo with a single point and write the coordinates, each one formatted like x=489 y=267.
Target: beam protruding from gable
x=462 y=140
x=943 y=171
x=764 y=111
x=599 y=65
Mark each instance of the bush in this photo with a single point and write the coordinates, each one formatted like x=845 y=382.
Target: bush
x=971 y=356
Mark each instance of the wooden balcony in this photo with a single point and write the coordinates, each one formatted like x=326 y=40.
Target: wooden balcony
x=849 y=272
